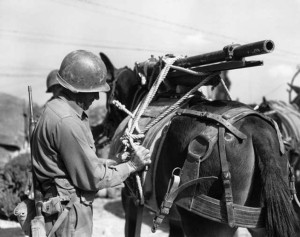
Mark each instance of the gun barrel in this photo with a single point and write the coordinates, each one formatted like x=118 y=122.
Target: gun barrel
x=31 y=118
x=253 y=49
x=38 y=196
x=230 y=52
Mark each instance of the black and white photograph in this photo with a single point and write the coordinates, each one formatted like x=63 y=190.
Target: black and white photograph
x=170 y=118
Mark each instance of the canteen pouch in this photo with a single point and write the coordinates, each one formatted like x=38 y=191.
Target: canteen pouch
x=38 y=228
x=25 y=213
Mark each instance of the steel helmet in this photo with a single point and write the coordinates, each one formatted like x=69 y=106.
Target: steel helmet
x=83 y=71
x=51 y=80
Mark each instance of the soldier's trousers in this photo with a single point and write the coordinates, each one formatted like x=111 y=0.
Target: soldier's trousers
x=78 y=223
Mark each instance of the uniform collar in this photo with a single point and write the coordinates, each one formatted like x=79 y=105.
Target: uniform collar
x=78 y=110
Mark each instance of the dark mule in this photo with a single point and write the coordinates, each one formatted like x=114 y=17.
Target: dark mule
x=249 y=151
x=103 y=132
x=256 y=177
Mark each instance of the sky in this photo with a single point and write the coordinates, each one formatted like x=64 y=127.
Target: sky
x=35 y=36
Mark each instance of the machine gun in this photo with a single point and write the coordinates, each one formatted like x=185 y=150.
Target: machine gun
x=231 y=57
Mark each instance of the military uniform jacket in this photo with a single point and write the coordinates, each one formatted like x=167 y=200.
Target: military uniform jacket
x=63 y=147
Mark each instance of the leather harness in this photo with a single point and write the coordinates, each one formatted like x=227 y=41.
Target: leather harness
x=225 y=212
x=208 y=207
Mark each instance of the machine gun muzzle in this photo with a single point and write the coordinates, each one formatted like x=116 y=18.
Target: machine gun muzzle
x=229 y=53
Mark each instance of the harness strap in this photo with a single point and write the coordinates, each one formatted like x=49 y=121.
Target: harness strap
x=167 y=203
x=226 y=177
x=230 y=118
x=172 y=192
x=63 y=215
x=246 y=112
x=214 y=117
x=215 y=210
x=205 y=206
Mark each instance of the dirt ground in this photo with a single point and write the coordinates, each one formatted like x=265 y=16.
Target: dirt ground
x=108 y=222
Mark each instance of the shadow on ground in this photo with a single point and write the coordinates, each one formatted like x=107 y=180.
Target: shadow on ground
x=115 y=207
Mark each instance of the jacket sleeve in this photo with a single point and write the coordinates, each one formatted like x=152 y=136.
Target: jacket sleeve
x=82 y=164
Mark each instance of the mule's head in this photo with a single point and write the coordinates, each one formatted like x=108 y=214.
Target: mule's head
x=264 y=106
x=124 y=83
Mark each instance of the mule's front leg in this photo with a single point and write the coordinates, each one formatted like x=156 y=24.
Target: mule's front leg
x=133 y=215
x=175 y=229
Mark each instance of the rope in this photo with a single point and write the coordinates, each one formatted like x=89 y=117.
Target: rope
x=162 y=75
x=226 y=89
x=133 y=122
x=128 y=137
x=176 y=105
x=122 y=107
x=296 y=200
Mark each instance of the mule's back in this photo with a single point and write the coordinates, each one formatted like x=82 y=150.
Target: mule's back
x=288 y=118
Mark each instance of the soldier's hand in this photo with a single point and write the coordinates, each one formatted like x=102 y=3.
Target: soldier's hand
x=140 y=158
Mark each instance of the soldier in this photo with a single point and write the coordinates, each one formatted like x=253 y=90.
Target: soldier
x=52 y=84
x=64 y=159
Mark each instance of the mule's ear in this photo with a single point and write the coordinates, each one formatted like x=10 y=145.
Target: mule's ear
x=294 y=88
x=109 y=66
